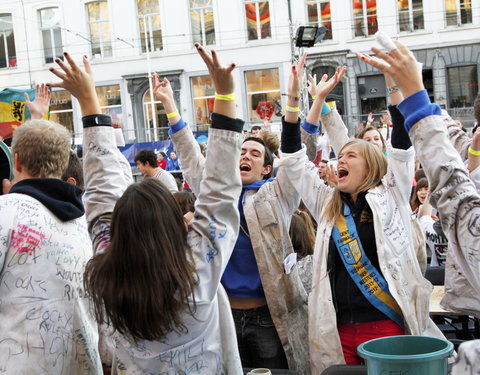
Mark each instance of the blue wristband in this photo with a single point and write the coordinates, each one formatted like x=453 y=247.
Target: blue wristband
x=177 y=127
x=416 y=107
x=310 y=128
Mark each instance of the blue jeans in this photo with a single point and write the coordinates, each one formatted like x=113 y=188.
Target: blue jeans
x=257 y=337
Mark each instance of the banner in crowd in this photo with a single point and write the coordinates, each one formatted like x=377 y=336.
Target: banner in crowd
x=130 y=150
x=13 y=111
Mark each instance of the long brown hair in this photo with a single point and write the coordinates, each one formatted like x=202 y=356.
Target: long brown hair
x=302 y=233
x=376 y=169
x=143 y=282
x=414 y=201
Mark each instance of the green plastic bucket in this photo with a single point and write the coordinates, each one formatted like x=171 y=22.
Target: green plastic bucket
x=402 y=355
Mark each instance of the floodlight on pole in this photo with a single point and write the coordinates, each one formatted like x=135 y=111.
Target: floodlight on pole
x=308 y=36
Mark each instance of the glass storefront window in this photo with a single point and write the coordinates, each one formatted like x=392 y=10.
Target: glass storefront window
x=462 y=86
x=258 y=20
x=61 y=109
x=203 y=100
x=263 y=94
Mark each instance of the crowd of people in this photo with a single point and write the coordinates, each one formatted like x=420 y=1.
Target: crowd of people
x=267 y=261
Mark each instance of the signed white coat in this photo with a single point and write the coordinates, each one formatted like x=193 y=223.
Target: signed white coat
x=45 y=323
x=209 y=347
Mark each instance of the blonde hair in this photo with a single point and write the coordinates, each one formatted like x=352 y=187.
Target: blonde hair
x=270 y=139
x=376 y=169
x=43 y=148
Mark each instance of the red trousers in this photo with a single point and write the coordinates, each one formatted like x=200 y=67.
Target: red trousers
x=352 y=335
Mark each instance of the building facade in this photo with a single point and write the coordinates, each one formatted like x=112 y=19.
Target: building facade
x=128 y=39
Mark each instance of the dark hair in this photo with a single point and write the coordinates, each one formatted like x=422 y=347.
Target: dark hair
x=146 y=156
x=419 y=174
x=256 y=127
x=414 y=202
x=74 y=169
x=186 y=201
x=302 y=233
x=162 y=153
x=368 y=128
x=267 y=155
x=142 y=283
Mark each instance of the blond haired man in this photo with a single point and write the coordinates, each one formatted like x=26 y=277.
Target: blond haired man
x=44 y=245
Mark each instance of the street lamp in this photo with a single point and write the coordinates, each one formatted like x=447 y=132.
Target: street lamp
x=307 y=36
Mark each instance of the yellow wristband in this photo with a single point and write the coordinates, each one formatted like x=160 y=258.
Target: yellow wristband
x=172 y=114
x=314 y=97
x=292 y=109
x=226 y=97
x=473 y=152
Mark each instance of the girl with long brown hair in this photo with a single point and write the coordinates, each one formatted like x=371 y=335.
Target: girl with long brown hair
x=156 y=284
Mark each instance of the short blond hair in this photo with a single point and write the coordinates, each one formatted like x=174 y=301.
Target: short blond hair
x=43 y=148
x=270 y=139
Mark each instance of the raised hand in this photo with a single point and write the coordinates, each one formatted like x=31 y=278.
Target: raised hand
x=78 y=82
x=161 y=90
x=223 y=81
x=395 y=95
x=221 y=75
x=39 y=107
x=370 y=118
x=326 y=85
x=402 y=66
x=311 y=85
x=296 y=74
x=331 y=177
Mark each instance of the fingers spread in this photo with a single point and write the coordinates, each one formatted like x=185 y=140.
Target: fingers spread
x=58 y=74
x=62 y=65
x=86 y=63
x=71 y=62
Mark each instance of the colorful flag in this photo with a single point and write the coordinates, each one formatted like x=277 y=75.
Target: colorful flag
x=13 y=111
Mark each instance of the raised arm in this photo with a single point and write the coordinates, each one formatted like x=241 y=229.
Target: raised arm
x=188 y=151
x=452 y=192
x=105 y=177
x=214 y=229
x=39 y=107
x=331 y=120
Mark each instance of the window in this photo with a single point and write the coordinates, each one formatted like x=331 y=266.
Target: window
x=111 y=103
x=99 y=26
x=8 y=56
x=155 y=117
x=258 y=20
x=458 y=12
x=150 y=25
x=410 y=15
x=365 y=17
x=61 y=108
x=462 y=86
x=263 y=95
x=203 y=99
x=372 y=91
x=203 y=27
x=319 y=15
x=51 y=33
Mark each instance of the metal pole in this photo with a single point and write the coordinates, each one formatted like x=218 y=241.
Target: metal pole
x=150 y=87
